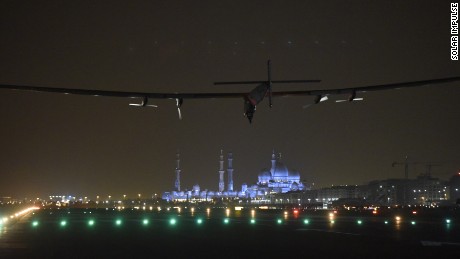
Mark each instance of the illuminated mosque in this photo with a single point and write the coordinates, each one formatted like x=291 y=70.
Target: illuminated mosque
x=277 y=179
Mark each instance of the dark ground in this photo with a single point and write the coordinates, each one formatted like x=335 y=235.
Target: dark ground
x=429 y=237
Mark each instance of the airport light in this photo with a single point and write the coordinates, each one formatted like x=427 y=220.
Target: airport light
x=145 y=222
x=306 y=221
x=279 y=221
x=91 y=222
x=226 y=220
x=199 y=221
x=63 y=223
x=118 y=222
x=359 y=222
x=35 y=223
x=253 y=221
x=386 y=221
x=172 y=222
x=448 y=221
x=412 y=222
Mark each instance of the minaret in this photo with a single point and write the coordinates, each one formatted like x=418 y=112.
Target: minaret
x=230 y=172
x=273 y=162
x=221 y=172
x=177 y=183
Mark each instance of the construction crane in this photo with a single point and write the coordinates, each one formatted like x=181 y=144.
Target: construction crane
x=428 y=168
x=406 y=164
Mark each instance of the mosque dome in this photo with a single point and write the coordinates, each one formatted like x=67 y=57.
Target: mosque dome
x=294 y=186
x=280 y=171
x=295 y=174
x=265 y=176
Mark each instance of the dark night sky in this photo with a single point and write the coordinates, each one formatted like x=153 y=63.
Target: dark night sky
x=60 y=144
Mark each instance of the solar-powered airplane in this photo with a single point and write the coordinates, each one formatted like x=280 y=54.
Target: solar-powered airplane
x=251 y=99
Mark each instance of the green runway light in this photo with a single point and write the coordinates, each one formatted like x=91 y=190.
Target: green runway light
x=35 y=223
x=226 y=220
x=306 y=221
x=253 y=221
x=448 y=221
x=386 y=221
x=145 y=222
x=118 y=222
x=91 y=223
x=199 y=221
x=63 y=223
x=172 y=221
x=279 y=221
x=359 y=222
x=412 y=222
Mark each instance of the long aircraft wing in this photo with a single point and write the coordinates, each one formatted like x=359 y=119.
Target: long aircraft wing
x=362 y=89
x=315 y=92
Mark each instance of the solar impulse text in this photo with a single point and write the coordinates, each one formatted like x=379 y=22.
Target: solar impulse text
x=454 y=31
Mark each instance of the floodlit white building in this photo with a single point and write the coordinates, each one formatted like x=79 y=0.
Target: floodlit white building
x=277 y=179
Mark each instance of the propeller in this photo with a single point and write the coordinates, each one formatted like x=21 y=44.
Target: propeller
x=179 y=102
x=318 y=99
x=351 y=98
x=143 y=103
